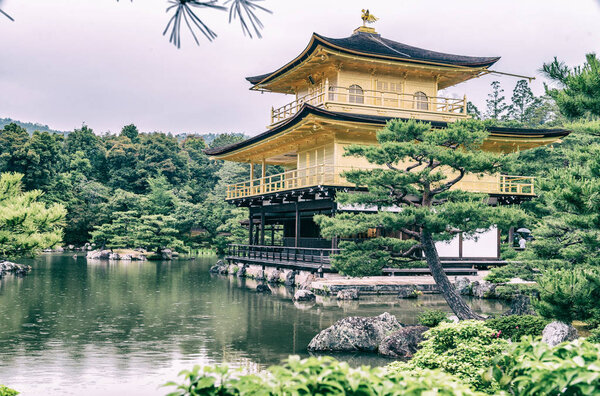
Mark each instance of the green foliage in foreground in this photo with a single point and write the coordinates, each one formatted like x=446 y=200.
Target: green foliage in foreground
x=463 y=349
x=515 y=327
x=317 y=376
x=432 y=317
x=534 y=368
x=5 y=391
x=26 y=225
x=569 y=295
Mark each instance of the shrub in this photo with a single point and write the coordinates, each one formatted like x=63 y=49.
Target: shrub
x=594 y=336
x=533 y=368
x=514 y=327
x=432 y=317
x=316 y=376
x=568 y=295
x=510 y=290
x=5 y=391
x=513 y=270
x=465 y=349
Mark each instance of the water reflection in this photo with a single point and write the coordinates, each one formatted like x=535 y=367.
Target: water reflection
x=73 y=326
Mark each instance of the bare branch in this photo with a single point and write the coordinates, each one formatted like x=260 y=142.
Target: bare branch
x=452 y=182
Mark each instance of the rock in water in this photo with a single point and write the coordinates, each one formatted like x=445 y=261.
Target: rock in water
x=463 y=285
x=348 y=294
x=556 y=332
x=274 y=276
x=263 y=288
x=355 y=333
x=483 y=289
x=241 y=272
x=218 y=268
x=408 y=292
x=403 y=343
x=290 y=278
x=304 y=295
x=520 y=305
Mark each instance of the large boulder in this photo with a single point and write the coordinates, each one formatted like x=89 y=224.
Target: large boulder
x=483 y=289
x=98 y=254
x=166 y=254
x=556 y=332
x=219 y=268
x=242 y=271
x=290 y=278
x=520 y=305
x=308 y=281
x=355 y=333
x=304 y=295
x=17 y=269
x=408 y=292
x=348 y=294
x=274 y=276
x=463 y=285
x=403 y=343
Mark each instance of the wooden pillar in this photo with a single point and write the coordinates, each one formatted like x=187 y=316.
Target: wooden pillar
x=251 y=178
x=262 y=227
x=297 y=237
x=250 y=229
x=272 y=234
x=263 y=174
x=511 y=237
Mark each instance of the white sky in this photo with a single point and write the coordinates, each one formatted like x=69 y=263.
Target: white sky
x=105 y=63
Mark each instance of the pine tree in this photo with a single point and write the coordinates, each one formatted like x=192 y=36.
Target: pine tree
x=419 y=166
x=524 y=103
x=27 y=226
x=473 y=111
x=496 y=102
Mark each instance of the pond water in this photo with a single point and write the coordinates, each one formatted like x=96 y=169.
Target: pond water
x=73 y=327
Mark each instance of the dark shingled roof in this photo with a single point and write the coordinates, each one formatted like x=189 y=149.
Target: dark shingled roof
x=371 y=119
x=374 y=45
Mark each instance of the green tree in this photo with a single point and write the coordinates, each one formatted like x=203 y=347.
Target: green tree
x=473 y=111
x=131 y=132
x=524 y=103
x=419 y=168
x=157 y=232
x=578 y=91
x=120 y=233
x=86 y=141
x=496 y=102
x=26 y=225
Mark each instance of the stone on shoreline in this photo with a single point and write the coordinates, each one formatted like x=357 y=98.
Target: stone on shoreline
x=290 y=278
x=274 y=276
x=17 y=269
x=355 y=333
x=403 y=343
x=263 y=288
x=106 y=254
x=304 y=295
x=348 y=294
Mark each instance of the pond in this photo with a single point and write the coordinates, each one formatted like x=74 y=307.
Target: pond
x=73 y=327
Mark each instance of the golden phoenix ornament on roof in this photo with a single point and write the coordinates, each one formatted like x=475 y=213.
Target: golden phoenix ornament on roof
x=367 y=17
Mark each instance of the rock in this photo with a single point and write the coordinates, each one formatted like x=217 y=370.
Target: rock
x=453 y=319
x=261 y=275
x=126 y=257
x=98 y=254
x=59 y=249
x=241 y=272
x=166 y=254
x=408 y=292
x=463 y=285
x=520 y=305
x=307 y=282
x=114 y=256
x=263 y=288
x=274 y=276
x=355 y=333
x=218 y=268
x=71 y=247
x=556 y=332
x=483 y=289
x=18 y=269
x=403 y=343
x=290 y=278
x=304 y=295
x=348 y=294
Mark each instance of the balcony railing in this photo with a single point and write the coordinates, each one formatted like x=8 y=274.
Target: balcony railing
x=331 y=175
x=325 y=94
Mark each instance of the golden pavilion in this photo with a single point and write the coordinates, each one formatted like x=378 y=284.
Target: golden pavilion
x=345 y=89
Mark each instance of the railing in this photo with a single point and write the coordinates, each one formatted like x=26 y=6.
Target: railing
x=283 y=254
x=365 y=98
x=331 y=175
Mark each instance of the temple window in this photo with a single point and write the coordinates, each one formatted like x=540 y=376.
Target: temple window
x=356 y=94
x=421 y=102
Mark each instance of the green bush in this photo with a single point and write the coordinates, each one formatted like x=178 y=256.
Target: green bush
x=510 y=290
x=570 y=294
x=4 y=391
x=465 y=349
x=432 y=317
x=512 y=270
x=594 y=336
x=533 y=368
x=514 y=327
x=316 y=376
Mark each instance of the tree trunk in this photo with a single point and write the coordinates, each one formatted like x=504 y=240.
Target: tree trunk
x=454 y=300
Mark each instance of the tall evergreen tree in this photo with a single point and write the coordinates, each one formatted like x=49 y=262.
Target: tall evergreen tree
x=419 y=166
x=524 y=103
x=496 y=102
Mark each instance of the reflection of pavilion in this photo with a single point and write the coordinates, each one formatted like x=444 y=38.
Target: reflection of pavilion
x=345 y=90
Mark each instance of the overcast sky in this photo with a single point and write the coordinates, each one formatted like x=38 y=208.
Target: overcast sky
x=105 y=63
